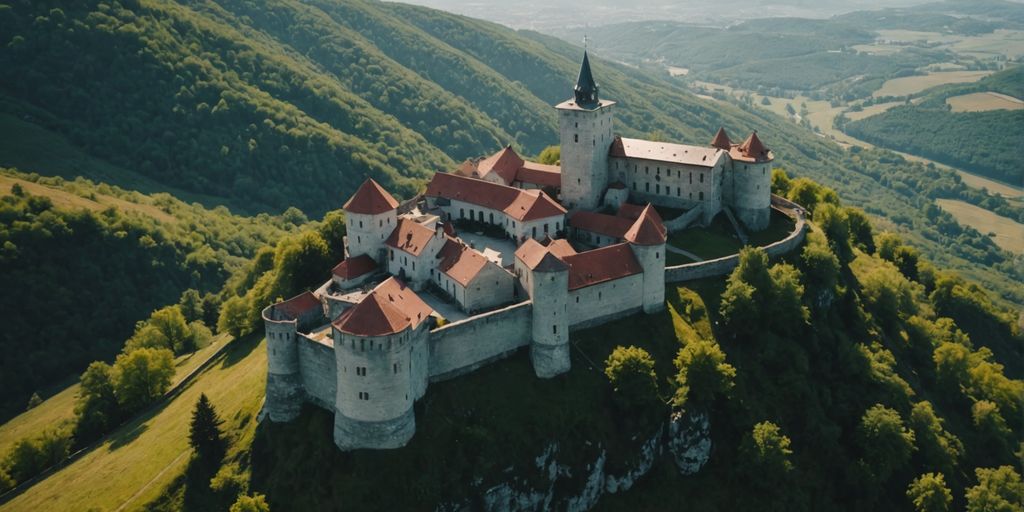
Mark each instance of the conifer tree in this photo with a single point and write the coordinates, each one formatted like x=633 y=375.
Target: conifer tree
x=204 y=432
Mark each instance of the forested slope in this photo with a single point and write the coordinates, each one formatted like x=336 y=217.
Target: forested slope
x=83 y=263
x=280 y=103
x=981 y=142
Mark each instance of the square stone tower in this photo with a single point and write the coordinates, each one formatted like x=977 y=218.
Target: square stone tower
x=585 y=127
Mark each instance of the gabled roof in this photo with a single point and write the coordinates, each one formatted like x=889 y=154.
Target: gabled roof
x=540 y=174
x=522 y=205
x=721 y=140
x=410 y=236
x=544 y=259
x=351 y=268
x=298 y=305
x=461 y=262
x=505 y=163
x=701 y=156
x=370 y=199
x=608 y=225
x=752 y=150
x=390 y=308
x=648 y=229
x=601 y=265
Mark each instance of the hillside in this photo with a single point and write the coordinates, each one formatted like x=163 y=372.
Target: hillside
x=295 y=103
x=975 y=141
x=88 y=261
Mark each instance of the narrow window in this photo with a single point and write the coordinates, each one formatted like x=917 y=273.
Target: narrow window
x=691 y=177
x=462 y=213
x=701 y=197
x=575 y=137
x=657 y=189
x=545 y=227
x=647 y=187
x=634 y=185
x=679 y=191
x=702 y=177
x=554 y=329
x=395 y=367
x=534 y=231
x=577 y=299
x=360 y=224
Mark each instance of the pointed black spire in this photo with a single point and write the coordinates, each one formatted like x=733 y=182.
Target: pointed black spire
x=586 y=87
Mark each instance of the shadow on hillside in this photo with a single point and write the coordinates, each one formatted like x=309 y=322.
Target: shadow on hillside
x=241 y=348
x=131 y=432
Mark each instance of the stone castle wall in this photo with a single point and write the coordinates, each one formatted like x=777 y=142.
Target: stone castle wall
x=317 y=371
x=461 y=347
x=722 y=266
x=597 y=303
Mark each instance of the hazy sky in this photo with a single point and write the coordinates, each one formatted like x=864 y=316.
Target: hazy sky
x=550 y=15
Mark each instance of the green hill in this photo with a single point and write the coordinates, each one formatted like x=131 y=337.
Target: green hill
x=976 y=141
x=82 y=263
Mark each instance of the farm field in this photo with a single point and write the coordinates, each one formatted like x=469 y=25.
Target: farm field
x=60 y=407
x=155 y=446
x=1008 y=43
x=1008 y=234
x=908 y=85
x=984 y=101
x=871 y=110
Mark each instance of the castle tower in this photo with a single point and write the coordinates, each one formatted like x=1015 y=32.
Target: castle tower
x=585 y=128
x=380 y=350
x=284 y=393
x=647 y=238
x=370 y=216
x=549 y=288
x=752 y=183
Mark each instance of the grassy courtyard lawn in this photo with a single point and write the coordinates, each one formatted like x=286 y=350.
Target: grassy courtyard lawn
x=483 y=428
x=60 y=407
x=141 y=458
x=779 y=226
x=714 y=241
x=672 y=259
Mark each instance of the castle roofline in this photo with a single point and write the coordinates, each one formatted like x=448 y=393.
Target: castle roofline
x=390 y=308
x=296 y=306
x=521 y=205
x=351 y=268
x=409 y=236
x=370 y=199
x=648 y=229
x=572 y=105
x=752 y=150
x=601 y=265
x=700 y=156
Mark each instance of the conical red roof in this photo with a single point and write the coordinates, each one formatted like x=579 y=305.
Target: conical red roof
x=754 y=148
x=370 y=199
x=390 y=308
x=721 y=140
x=648 y=229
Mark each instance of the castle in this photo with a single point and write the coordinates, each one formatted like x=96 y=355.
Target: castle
x=498 y=255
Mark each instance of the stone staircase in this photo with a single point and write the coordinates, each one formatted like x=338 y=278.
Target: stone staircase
x=736 y=225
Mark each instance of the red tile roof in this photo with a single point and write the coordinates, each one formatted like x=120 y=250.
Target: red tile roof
x=390 y=308
x=752 y=150
x=410 y=236
x=664 y=152
x=505 y=162
x=648 y=229
x=601 y=265
x=298 y=305
x=721 y=140
x=608 y=225
x=370 y=199
x=460 y=262
x=522 y=205
x=536 y=256
x=630 y=211
x=540 y=174
x=351 y=268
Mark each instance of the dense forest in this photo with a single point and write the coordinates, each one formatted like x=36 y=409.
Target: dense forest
x=84 y=262
x=980 y=142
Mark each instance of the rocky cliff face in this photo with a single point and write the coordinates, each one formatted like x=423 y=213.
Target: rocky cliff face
x=687 y=438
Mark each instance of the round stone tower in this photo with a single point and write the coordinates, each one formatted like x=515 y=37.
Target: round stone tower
x=380 y=349
x=284 y=384
x=752 y=183
x=647 y=238
x=549 y=287
x=370 y=216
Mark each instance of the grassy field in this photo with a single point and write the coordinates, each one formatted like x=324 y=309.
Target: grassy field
x=1008 y=43
x=67 y=199
x=60 y=406
x=984 y=101
x=871 y=110
x=1008 y=234
x=908 y=85
x=31 y=148
x=155 y=446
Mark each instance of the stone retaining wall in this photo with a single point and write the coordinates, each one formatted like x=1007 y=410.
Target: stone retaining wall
x=461 y=347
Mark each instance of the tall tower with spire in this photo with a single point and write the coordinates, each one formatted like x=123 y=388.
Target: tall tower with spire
x=585 y=126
